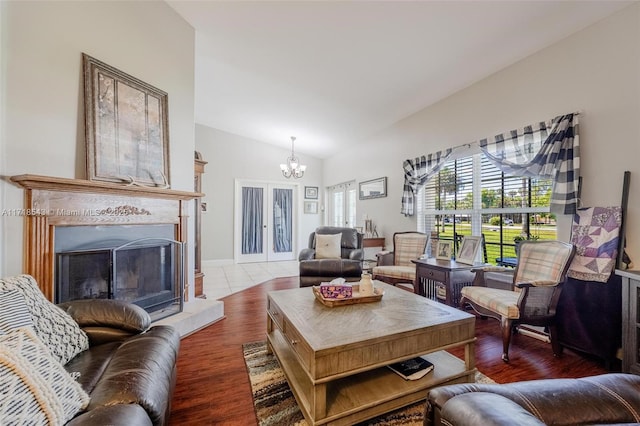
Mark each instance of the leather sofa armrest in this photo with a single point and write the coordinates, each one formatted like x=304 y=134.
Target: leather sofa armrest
x=116 y=415
x=356 y=254
x=611 y=398
x=141 y=372
x=307 y=254
x=487 y=409
x=106 y=320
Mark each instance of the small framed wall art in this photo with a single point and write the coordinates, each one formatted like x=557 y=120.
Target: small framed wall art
x=311 y=207
x=311 y=192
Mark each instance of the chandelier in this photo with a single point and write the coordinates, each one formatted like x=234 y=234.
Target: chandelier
x=293 y=168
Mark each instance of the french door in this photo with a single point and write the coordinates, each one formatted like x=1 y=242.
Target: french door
x=265 y=221
x=341 y=201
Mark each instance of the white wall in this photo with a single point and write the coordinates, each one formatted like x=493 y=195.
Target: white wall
x=43 y=115
x=234 y=157
x=3 y=86
x=596 y=71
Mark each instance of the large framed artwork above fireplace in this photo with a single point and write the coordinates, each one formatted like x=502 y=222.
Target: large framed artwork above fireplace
x=89 y=239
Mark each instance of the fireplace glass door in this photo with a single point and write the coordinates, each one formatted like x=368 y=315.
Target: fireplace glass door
x=146 y=272
x=83 y=274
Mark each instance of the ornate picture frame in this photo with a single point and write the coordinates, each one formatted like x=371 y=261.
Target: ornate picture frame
x=126 y=127
x=469 y=249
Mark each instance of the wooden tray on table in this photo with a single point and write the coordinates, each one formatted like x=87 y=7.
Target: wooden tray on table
x=354 y=299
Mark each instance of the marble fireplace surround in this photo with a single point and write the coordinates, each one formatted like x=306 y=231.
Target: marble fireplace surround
x=52 y=202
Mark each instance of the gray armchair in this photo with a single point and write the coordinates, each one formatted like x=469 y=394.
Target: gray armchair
x=348 y=265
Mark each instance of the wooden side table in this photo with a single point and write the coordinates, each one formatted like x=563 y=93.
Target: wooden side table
x=373 y=242
x=371 y=246
x=442 y=280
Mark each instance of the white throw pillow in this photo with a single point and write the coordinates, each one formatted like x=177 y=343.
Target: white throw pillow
x=36 y=389
x=328 y=246
x=62 y=335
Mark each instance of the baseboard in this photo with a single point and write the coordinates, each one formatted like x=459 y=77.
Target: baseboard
x=216 y=262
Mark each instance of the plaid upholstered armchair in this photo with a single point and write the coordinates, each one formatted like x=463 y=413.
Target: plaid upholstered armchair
x=396 y=267
x=537 y=282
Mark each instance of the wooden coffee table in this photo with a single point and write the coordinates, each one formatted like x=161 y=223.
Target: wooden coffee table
x=335 y=358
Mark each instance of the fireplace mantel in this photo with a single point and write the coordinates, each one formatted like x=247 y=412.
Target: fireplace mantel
x=51 y=202
x=81 y=185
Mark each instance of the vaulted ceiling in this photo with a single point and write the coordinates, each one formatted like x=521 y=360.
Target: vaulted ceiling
x=334 y=72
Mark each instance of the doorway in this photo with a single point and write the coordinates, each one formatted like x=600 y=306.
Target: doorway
x=341 y=201
x=265 y=221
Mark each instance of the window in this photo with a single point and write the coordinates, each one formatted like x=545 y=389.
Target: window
x=341 y=201
x=470 y=196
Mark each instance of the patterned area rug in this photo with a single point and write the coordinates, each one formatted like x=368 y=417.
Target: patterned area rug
x=275 y=404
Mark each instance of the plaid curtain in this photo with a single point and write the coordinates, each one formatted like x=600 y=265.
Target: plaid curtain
x=416 y=173
x=549 y=149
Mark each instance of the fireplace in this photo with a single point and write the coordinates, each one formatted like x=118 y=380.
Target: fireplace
x=100 y=237
x=146 y=272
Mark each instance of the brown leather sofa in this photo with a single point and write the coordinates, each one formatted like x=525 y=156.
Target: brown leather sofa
x=612 y=398
x=129 y=370
x=315 y=271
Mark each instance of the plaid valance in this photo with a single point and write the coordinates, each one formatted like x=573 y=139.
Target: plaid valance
x=549 y=149
x=416 y=173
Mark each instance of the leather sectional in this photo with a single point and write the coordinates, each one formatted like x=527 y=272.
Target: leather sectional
x=129 y=370
x=612 y=398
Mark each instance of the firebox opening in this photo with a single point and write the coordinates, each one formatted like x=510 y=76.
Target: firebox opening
x=146 y=272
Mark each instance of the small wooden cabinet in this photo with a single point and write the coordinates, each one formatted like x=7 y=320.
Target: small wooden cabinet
x=442 y=280
x=199 y=164
x=630 y=320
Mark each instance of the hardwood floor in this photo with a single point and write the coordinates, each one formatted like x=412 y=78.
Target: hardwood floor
x=213 y=385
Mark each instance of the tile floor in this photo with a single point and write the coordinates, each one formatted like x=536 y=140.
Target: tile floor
x=221 y=281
